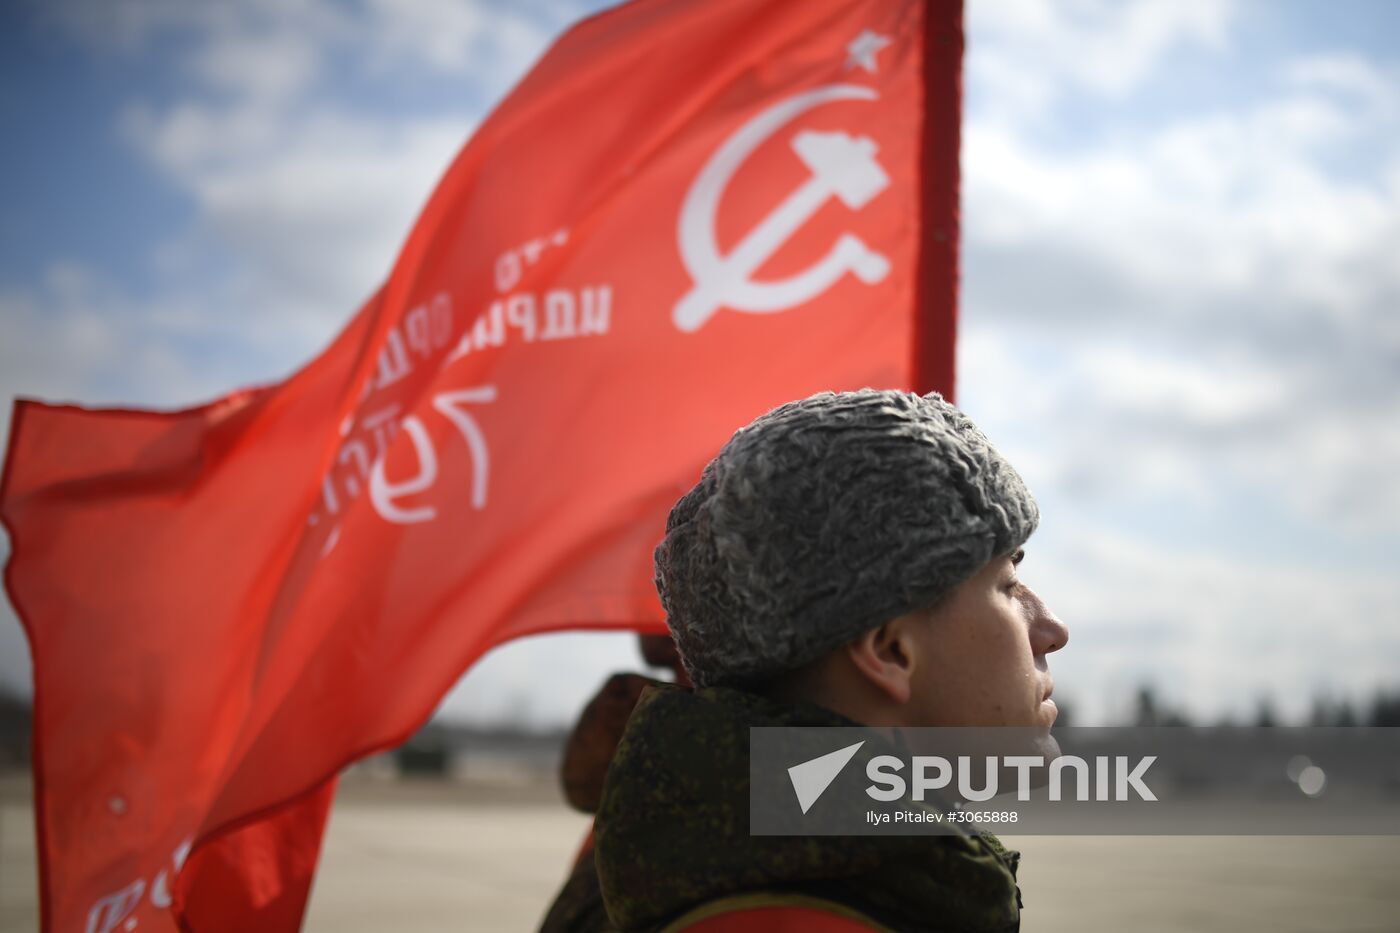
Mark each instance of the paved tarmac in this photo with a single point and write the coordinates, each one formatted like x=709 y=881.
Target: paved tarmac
x=433 y=856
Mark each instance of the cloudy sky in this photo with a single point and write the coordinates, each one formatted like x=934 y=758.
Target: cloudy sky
x=1181 y=280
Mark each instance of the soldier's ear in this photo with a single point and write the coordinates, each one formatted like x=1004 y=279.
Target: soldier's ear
x=884 y=657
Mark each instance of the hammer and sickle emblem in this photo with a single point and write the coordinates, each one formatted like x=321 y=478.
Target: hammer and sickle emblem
x=841 y=166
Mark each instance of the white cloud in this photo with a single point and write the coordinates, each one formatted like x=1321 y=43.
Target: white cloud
x=203 y=30
x=1110 y=423
x=1347 y=73
x=78 y=338
x=273 y=66
x=1026 y=54
x=270 y=47
x=1183 y=332
x=126 y=27
x=1213 y=631
x=1212 y=204
x=303 y=194
x=474 y=39
x=311 y=209
x=1209 y=292
x=303 y=191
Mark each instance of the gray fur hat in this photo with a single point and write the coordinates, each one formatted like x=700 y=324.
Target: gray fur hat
x=825 y=518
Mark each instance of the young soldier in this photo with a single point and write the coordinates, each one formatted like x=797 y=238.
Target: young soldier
x=848 y=558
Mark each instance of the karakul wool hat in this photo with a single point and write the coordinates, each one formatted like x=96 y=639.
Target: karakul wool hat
x=827 y=517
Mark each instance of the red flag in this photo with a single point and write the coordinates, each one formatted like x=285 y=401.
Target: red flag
x=687 y=213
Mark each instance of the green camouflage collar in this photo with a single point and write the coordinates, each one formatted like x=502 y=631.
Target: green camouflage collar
x=672 y=831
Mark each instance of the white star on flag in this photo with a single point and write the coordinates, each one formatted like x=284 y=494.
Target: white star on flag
x=863 y=48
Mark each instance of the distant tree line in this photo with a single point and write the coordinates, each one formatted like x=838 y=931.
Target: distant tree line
x=428 y=752
x=1383 y=709
x=14 y=732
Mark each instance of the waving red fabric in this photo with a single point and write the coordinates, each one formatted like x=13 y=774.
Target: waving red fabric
x=687 y=213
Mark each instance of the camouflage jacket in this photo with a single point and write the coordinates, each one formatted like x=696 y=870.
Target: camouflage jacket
x=672 y=835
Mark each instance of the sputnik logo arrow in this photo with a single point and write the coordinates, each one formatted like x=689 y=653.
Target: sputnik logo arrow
x=841 y=166
x=811 y=778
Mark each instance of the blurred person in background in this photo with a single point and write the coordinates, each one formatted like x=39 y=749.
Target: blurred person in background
x=588 y=752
